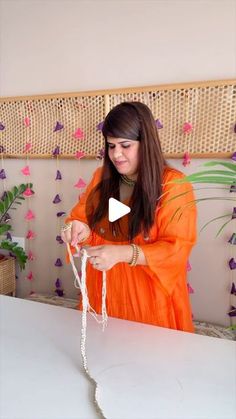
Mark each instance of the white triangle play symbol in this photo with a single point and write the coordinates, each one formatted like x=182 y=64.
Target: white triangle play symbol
x=116 y=209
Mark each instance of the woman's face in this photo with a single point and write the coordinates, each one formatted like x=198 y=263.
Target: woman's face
x=124 y=154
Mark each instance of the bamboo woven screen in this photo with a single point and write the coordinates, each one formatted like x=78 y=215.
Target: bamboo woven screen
x=209 y=106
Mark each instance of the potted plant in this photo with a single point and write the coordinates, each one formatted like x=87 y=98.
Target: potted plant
x=9 y=201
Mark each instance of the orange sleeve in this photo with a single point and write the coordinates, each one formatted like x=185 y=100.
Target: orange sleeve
x=78 y=212
x=167 y=256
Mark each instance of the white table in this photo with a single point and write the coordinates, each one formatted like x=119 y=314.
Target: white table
x=143 y=372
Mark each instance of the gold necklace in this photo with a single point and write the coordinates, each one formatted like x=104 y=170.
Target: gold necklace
x=127 y=181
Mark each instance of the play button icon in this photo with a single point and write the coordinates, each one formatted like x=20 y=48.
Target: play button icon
x=116 y=209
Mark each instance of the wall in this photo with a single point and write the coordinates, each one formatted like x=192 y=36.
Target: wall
x=56 y=46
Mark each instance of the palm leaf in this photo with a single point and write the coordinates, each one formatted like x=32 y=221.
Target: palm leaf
x=223 y=177
x=230 y=166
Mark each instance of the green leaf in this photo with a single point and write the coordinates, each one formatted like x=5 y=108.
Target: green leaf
x=6 y=203
x=222 y=227
x=230 y=166
x=215 y=219
x=4 y=228
x=10 y=197
x=22 y=188
x=16 y=250
x=217 y=172
x=196 y=178
x=1 y=207
x=15 y=190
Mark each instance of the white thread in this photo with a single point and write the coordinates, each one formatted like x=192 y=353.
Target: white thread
x=81 y=283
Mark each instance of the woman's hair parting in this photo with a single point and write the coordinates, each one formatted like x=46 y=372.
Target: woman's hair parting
x=133 y=121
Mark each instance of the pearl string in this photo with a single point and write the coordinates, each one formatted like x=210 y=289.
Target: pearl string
x=81 y=284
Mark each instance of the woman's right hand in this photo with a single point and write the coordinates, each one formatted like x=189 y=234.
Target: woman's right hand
x=78 y=233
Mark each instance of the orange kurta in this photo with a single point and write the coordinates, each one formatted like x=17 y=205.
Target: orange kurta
x=157 y=292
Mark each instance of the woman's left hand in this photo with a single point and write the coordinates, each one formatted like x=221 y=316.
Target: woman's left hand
x=103 y=257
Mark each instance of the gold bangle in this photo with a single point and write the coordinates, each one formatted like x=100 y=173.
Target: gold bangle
x=66 y=227
x=135 y=256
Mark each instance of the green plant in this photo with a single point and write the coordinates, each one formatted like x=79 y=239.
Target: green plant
x=225 y=177
x=9 y=201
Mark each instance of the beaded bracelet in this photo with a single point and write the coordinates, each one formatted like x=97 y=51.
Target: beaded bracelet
x=135 y=256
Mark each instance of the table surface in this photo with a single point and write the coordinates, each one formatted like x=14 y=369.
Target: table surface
x=142 y=371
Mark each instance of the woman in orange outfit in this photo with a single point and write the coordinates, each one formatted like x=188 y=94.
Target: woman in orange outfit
x=144 y=253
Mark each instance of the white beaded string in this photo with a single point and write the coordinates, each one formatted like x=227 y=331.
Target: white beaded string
x=81 y=283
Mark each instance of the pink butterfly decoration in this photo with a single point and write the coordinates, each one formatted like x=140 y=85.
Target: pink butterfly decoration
x=30 y=215
x=187 y=128
x=78 y=134
x=27 y=147
x=80 y=184
x=30 y=276
x=28 y=192
x=186 y=159
x=190 y=289
x=189 y=267
x=27 y=121
x=30 y=255
x=30 y=235
x=26 y=171
x=79 y=154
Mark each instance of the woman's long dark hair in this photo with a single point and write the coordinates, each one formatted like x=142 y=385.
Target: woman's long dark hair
x=134 y=121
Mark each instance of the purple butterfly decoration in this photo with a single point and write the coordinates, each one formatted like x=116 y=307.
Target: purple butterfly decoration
x=159 y=125
x=56 y=151
x=2 y=174
x=235 y=128
x=233 y=157
x=61 y=213
x=58 y=175
x=2 y=149
x=57 y=199
x=8 y=236
x=232 y=239
x=58 y=262
x=59 y=239
x=4 y=195
x=232 y=264
x=99 y=126
x=234 y=213
x=6 y=218
x=60 y=293
x=233 y=187
x=58 y=127
x=58 y=283
x=233 y=289
x=100 y=155
x=2 y=127
x=232 y=312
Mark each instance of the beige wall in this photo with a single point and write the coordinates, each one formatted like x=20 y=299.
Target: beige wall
x=71 y=45
x=55 y=46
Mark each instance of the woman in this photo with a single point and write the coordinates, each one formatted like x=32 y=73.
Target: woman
x=145 y=253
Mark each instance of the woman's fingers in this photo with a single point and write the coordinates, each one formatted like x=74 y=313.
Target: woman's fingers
x=93 y=250
x=66 y=236
x=79 y=232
